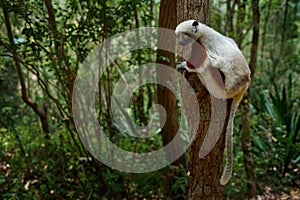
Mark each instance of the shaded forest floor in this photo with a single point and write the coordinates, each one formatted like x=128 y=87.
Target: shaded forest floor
x=269 y=194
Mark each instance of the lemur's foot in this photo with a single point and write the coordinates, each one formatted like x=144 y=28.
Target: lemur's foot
x=181 y=65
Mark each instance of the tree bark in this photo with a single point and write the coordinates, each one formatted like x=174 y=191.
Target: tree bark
x=247 y=147
x=204 y=172
x=165 y=97
x=167 y=19
x=246 y=128
x=193 y=9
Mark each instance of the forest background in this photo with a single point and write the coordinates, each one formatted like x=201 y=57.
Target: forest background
x=42 y=44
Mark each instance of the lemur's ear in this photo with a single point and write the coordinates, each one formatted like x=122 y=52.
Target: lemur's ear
x=195 y=23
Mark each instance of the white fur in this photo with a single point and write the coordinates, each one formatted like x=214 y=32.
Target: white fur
x=223 y=54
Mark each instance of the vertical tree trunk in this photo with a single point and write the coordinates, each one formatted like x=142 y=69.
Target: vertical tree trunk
x=264 y=32
x=140 y=95
x=246 y=129
x=167 y=19
x=229 y=17
x=205 y=173
x=240 y=21
x=283 y=30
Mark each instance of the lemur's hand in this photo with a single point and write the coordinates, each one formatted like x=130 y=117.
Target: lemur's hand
x=181 y=65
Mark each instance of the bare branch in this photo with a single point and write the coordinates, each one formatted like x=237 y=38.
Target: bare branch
x=41 y=112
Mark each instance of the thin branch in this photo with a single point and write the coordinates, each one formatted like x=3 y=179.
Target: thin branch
x=6 y=55
x=255 y=36
x=52 y=23
x=18 y=65
x=41 y=112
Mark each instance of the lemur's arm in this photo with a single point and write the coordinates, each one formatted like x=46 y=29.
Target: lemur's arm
x=203 y=64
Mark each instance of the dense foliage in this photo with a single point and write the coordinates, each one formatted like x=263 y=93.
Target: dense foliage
x=42 y=44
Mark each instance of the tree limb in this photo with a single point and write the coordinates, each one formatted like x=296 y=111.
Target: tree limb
x=41 y=112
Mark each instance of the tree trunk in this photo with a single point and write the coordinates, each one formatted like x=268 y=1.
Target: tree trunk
x=246 y=129
x=165 y=97
x=167 y=19
x=240 y=22
x=247 y=147
x=229 y=17
x=204 y=172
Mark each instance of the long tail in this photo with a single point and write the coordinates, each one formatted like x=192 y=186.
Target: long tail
x=228 y=141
